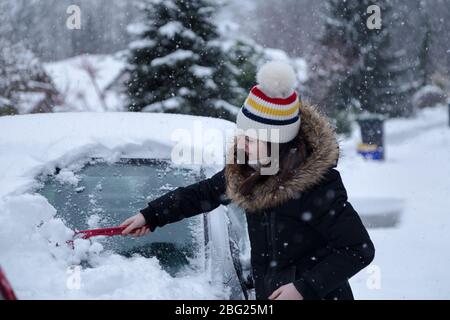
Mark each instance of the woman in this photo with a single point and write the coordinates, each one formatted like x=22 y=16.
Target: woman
x=306 y=238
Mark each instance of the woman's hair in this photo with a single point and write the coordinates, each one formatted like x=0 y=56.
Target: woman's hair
x=291 y=155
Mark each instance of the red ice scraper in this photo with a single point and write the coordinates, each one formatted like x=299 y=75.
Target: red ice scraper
x=86 y=234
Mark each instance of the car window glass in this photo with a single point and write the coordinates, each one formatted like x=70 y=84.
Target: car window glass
x=104 y=194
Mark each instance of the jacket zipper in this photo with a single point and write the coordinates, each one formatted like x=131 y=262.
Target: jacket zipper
x=270 y=236
x=270 y=233
x=267 y=227
x=267 y=276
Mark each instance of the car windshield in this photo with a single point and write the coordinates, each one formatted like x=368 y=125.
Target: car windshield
x=104 y=194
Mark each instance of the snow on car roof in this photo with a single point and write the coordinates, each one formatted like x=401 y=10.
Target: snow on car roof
x=34 y=143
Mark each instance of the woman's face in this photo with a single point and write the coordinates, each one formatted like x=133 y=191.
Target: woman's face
x=255 y=149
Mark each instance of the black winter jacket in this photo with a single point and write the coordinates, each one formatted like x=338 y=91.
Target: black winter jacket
x=302 y=230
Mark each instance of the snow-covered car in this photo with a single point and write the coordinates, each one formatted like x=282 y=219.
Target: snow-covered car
x=70 y=171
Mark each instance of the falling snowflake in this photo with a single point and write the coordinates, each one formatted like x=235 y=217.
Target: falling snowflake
x=306 y=216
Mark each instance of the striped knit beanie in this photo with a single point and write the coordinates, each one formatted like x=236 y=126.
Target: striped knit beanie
x=272 y=104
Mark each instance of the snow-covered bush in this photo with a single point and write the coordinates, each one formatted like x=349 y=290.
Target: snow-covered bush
x=429 y=96
x=25 y=87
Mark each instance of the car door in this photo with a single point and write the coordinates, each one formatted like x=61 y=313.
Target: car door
x=240 y=249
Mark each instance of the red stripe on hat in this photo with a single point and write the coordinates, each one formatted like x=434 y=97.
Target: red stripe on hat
x=280 y=101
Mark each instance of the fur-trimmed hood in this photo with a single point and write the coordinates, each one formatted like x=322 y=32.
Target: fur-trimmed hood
x=320 y=136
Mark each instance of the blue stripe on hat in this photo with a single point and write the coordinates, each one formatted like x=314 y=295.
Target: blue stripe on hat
x=267 y=121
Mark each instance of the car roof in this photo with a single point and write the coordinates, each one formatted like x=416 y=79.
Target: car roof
x=36 y=141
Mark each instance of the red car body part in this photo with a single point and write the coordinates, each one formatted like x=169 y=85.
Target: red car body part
x=6 y=291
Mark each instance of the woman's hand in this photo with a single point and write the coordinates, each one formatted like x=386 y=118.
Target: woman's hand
x=135 y=226
x=286 y=292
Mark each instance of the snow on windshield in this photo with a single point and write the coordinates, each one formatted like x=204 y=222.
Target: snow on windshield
x=105 y=194
x=30 y=227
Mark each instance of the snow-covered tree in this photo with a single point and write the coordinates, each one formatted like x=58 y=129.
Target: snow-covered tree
x=42 y=24
x=24 y=85
x=334 y=60
x=356 y=66
x=244 y=56
x=425 y=64
x=384 y=82
x=177 y=64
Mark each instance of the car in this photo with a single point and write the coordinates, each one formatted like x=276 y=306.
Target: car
x=98 y=187
x=111 y=192
x=6 y=291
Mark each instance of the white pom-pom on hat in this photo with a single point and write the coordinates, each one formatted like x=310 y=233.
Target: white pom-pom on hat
x=277 y=79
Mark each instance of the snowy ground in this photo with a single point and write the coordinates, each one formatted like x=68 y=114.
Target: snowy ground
x=411 y=260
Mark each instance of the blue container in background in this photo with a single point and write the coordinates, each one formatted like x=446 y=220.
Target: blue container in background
x=372 y=135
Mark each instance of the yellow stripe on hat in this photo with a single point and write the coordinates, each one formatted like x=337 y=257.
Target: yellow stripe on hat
x=273 y=112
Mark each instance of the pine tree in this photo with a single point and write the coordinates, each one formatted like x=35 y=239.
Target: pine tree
x=385 y=83
x=334 y=60
x=361 y=70
x=425 y=63
x=177 y=65
x=245 y=56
